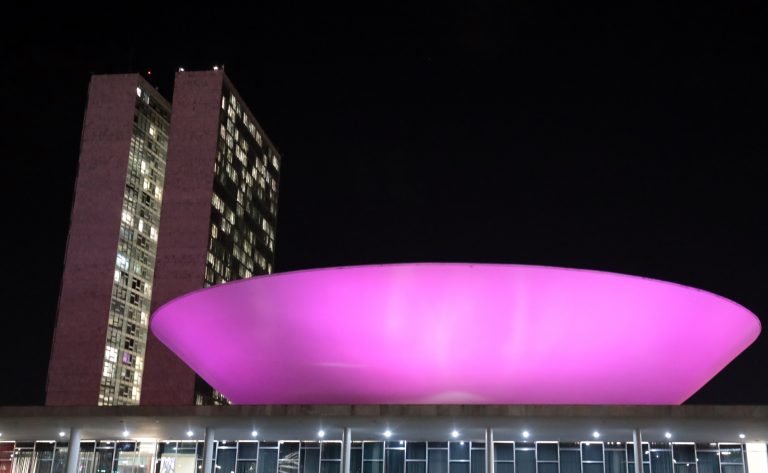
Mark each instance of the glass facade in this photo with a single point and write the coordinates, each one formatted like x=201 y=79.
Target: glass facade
x=136 y=253
x=241 y=241
x=369 y=457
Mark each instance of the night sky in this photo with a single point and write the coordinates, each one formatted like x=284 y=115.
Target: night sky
x=629 y=140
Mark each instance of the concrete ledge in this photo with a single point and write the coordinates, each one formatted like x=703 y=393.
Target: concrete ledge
x=755 y=412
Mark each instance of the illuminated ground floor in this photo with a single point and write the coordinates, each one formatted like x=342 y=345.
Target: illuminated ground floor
x=385 y=439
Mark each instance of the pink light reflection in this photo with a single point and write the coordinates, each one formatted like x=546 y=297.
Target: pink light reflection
x=455 y=333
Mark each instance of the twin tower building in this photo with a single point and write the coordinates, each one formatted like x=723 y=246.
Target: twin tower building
x=168 y=199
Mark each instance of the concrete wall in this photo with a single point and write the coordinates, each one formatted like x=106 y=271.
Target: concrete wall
x=185 y=223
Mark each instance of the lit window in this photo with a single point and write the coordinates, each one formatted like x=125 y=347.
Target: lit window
x=153 y=233
x=122 y=261
x=110 y=354
x=127 y=217
x=138 y=91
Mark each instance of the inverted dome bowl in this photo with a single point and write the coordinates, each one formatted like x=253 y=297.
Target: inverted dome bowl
x=454 y=333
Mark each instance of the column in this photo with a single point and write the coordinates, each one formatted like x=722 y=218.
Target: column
x=346 y=449
x=757 y=457
x=73 y=452
x=208 y=450
x=490 y=460
x=637 y=440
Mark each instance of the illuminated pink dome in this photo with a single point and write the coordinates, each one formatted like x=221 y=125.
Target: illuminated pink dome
x=454 y=333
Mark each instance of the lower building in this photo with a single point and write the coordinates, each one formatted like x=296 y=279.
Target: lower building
x=384 y=439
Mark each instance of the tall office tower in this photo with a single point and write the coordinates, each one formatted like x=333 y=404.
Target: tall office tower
x=219 y=212
x=104 y=305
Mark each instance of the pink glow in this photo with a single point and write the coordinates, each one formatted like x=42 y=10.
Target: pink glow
x=455 y=333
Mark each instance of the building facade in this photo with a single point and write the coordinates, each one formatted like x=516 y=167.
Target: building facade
x=386 y=439
x=212 y=174
x=219 y=214
x=100 y=337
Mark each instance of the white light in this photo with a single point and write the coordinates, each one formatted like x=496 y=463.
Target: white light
x=190 y=433
x=741 y=436
x=387 y=434
x=526 y=434
x=402 y=442
x=596 y=434
x=1 y=434
x=62 y=433
x=215 y=68
x=181 y=69
x=461 y=443
x=125 y=433
x=668 y=435
x=455 y=433
x=321 y=433
x=254 y=433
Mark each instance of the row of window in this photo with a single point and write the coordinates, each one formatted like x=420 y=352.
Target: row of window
x=238 y=209
x=135 y=261
x=372 y=457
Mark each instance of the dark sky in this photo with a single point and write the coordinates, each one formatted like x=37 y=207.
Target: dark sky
x=629 y=140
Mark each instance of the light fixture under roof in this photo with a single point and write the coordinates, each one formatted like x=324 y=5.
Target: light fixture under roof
x=596 y=434
x=215 y=68
x=181 y=69
x=741 y=436
x=526 y=434
x=668 y=435
x=62 y=433
x=254 y=433
x=190 y=433
x=321 y=433
x=126 y=433
x=455 y=433
x=387 y=434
